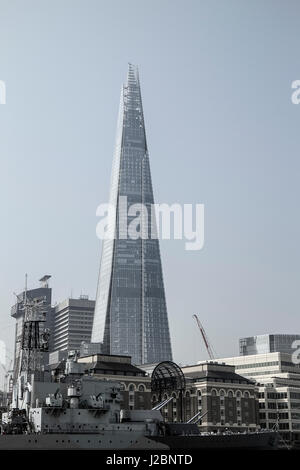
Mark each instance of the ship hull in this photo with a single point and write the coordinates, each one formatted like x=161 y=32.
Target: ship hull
x=78 y=441
x=136 y=441
x=251 y=441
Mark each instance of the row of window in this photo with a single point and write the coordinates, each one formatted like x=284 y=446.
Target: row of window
x=277 y=396
x=274 y=416
x=260 y=364
x=273 y=406
x=230 y=393
x=133 y=387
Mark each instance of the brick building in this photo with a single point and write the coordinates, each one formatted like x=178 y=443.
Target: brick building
x=226 y=399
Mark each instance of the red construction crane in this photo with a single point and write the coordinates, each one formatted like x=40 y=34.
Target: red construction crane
x=205 y=338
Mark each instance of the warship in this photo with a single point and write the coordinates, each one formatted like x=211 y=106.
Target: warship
x=83 y=412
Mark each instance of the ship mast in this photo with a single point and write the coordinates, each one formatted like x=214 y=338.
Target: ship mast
x=34 y=337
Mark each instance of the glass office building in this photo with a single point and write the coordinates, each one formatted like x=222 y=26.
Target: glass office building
x=131 y=314
x=262 y=344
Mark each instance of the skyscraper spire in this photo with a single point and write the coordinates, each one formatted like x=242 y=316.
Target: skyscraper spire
x=131 y=313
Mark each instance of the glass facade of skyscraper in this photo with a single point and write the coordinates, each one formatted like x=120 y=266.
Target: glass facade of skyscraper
x=131 y=313
x=267 y=344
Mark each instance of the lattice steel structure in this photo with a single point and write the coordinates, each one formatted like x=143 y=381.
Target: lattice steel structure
x=35 y=339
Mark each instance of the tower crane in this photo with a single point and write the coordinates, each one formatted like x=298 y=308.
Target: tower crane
x=205 y=338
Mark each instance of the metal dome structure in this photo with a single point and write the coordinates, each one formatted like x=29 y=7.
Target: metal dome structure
x=167 y=377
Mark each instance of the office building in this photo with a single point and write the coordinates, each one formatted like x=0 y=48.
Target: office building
x=278 y=381
x=131 y=312
x=262 y=344
x=72 y=323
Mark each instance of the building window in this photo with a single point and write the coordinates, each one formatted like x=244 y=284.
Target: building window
x=284 y=426
x=131 y=398
x=154 y=400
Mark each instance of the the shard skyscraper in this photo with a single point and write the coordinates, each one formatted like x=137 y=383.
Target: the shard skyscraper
x=131 y=314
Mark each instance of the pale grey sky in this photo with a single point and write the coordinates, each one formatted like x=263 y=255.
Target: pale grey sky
x=216 y=83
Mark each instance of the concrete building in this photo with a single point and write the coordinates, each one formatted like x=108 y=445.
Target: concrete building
x=278 y=381
x=263 y=344
x=3 y=402
x=72 y=323
x=90 y=349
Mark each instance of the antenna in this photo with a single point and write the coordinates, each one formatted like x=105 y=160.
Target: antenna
x=25 y=289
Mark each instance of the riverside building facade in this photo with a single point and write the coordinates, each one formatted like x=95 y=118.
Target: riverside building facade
x=278 y=381
x=224 y=398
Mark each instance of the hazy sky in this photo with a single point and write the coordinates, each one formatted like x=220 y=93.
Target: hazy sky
x=216 y=84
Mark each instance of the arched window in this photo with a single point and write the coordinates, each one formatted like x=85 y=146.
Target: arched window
x=246 y=394
x=141 y=388
x=188 y=405
x=238 y=394
x=122 y=387
x=174 y=401
x=199 y=393
x=230 y=394
x=214 y=393
x=131 y=388
x=222 y=393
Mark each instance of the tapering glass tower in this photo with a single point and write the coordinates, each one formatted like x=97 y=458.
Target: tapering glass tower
x=131 y=314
